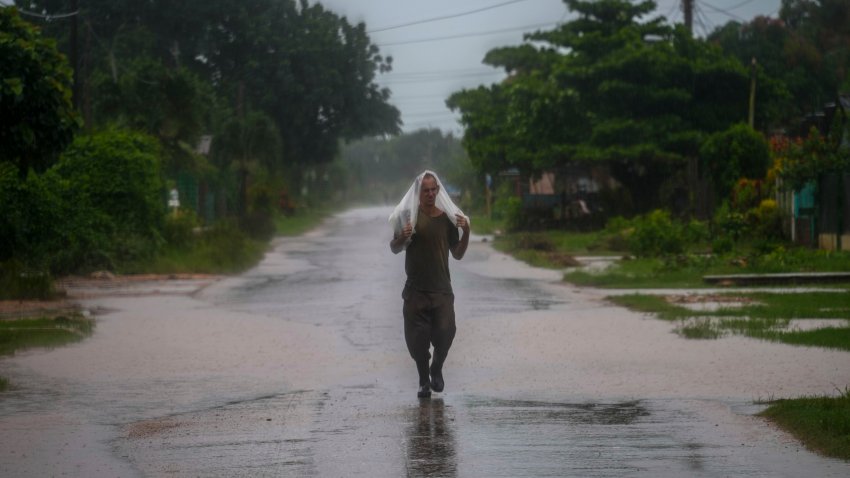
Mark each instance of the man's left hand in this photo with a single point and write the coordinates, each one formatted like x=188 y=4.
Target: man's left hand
x=462 y=223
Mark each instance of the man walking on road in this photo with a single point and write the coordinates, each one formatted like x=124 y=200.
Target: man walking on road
x=426 y=226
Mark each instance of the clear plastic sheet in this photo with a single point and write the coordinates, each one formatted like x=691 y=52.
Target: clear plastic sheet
x=407 y=209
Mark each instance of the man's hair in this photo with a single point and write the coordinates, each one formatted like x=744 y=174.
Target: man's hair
x=429 y=175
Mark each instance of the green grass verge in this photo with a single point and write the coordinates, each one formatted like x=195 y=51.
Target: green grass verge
x=302 y=221
x=766 y=317
x=485 y=225
x=18 y=334
x=41 y=332
x=639 y=274
x=821 y=423
x=549 y=248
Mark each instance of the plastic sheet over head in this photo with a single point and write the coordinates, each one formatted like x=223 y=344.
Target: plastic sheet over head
x=407 y=209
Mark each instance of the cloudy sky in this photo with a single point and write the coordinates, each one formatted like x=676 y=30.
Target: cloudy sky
x=433 y=58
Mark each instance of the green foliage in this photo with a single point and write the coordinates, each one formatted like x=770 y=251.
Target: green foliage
x=37 y=117
x=821 y=423
x=759 y=315
x=508 y=208
x=19 y=283
x=221 y=249
x=99 y=206
x=48 y=224
x=806 y=160
x=738 y=152
x=119 y=172
x=179 y=227
x=171 y=104
x=653 y=234
x=608 y=87
x=47 y=332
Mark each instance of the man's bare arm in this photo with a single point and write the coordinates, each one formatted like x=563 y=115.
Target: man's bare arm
x=460 y=248
x=397 y=243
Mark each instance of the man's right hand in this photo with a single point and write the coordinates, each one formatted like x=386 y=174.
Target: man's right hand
x=397 y=244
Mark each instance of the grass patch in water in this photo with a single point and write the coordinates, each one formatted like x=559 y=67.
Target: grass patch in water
x=639 y=274
x=41 y=332
x=44 y=332
x=766 y=316
x=821 y=423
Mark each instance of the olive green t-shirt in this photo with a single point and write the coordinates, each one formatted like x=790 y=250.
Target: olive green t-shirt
x=427 y=259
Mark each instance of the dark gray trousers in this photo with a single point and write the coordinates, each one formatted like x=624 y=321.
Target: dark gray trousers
x=429 y=319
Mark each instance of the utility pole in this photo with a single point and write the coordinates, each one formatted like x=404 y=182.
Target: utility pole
x=688 y=10
x=75 y=63
x=752 y=115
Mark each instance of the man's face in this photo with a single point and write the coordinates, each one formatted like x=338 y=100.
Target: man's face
x=428 y=191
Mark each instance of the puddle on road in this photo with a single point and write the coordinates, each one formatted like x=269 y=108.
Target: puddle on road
x=518 y=412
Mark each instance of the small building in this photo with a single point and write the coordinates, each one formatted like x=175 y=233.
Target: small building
x=820 y=211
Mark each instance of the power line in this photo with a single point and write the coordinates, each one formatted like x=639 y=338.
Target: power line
x=724 y=12
x=466 y=35
x=444 y=17
x=733 y=7
x=48 y=16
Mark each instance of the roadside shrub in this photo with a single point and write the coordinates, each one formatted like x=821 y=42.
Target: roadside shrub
x=227 y=247
x=119 y=172
x=738 y=152
x=48 y=224
x=116 y=175
x=178 y=229
x=509 y=209
x=615 y=236
x=656 y=234
x=766 y=220
x=18 y=282
x=729 y=223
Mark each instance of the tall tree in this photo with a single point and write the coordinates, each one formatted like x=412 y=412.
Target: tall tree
x=37 y=117
x=606 y=87
x=305 y=67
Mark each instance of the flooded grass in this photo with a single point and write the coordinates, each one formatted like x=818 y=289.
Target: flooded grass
x=19 y=334
x=762 y=315
x=41 y=332
x=821 y=423
x=301 y=222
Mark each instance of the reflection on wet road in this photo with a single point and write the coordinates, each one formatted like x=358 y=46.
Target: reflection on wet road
x=298 y=368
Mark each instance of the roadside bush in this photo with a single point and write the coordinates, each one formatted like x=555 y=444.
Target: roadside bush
x=178 y=230
x=729 y=223
x=47 y=224
x=509 y=209
x=117 y=175
x=656 y=234
x=228 y=248
x=17 y=282
x=119 y=171
x=615 y=236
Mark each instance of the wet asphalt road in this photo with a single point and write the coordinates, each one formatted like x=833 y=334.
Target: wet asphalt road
x=339 y=398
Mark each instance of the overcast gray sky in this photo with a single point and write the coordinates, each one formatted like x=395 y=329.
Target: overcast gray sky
x=426 y=72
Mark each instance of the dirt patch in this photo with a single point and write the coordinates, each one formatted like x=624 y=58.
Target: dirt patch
x=104 y=279
x=563 y=260
x=16 y=309
x=149 y=428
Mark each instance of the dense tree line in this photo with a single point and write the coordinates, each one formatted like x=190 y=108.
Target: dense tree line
x=278 y=84
x=642 y=96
